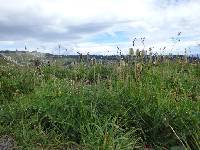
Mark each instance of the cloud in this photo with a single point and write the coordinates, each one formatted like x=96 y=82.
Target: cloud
x=97 y=25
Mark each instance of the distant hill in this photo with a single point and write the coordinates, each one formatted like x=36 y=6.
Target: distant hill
x=21 y=57
x=25 y=57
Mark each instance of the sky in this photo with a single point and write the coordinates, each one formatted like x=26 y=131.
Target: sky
x=100 y=26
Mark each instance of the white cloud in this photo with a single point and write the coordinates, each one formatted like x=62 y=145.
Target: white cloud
x=49 y=22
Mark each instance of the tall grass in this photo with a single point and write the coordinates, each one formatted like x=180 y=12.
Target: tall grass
x=134 y=105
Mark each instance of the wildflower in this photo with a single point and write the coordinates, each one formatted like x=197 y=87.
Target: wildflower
x=155 y=62
x=93 y=60
x=17 y=92
x=134 y=41
x=137 y=52
x=138 y=71
x=143 y=53
x=179 y=33
x=131 y=51
x=87 y=82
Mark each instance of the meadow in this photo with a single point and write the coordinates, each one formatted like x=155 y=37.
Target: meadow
x=132 y=104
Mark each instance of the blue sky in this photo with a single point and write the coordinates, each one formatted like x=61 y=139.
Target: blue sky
x=99 y=26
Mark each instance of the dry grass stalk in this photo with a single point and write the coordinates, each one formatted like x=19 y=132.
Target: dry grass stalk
x=138 y=71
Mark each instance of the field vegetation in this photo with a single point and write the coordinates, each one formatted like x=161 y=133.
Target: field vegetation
x=135 y=104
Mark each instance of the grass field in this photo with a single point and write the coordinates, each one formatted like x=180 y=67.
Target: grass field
x=132 y=105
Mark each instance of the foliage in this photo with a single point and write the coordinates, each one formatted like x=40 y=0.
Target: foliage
x=102 y=106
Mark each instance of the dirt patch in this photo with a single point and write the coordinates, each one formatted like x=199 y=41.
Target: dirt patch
x=7 y=143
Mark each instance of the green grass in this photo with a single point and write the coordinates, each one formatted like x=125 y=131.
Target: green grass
x=101 y=106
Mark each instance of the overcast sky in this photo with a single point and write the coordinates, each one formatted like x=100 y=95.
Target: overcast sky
x=99 y=26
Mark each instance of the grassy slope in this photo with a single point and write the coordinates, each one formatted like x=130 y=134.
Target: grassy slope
x=102 y=107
